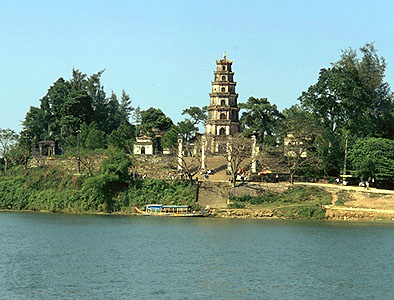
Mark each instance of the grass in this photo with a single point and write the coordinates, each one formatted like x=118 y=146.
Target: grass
x=343 y=197
x=295 y=203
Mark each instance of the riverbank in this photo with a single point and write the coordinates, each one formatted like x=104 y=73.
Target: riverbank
x=54 y=189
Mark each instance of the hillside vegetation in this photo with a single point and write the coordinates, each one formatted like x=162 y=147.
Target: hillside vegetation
x=111 y=189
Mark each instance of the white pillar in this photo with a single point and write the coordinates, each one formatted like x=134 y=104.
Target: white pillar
x=203 y=158
x=229 y=150
x=180 y=150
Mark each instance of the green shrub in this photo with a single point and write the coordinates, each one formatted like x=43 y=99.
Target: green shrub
x=299 y=194
x=343 y=197
x=311 y=211
x=236 y=205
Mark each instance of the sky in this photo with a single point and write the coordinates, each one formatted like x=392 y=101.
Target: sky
x=163 y=53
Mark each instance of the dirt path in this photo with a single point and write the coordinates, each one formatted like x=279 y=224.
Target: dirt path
x=329 y=186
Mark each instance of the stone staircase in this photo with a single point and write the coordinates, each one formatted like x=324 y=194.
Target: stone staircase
x=218 y=164
x=214 y=194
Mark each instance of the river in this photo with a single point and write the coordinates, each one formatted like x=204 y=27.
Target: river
x=57 y=256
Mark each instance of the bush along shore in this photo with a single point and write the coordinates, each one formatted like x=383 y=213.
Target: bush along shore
x=111 y=189
x=294 y=203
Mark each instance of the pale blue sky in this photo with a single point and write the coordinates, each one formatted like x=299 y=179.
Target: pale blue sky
x=163 y=52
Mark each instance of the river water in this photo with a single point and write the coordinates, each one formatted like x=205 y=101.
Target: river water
x=55 y=256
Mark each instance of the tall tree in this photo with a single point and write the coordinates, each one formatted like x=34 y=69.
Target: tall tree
x=76 y=110
x=238 y=155
x=125 y=107
x=352 y=95
x=154 y=118
x=373 y=158
x=197 y=115
x=190 y=163
x=260 y=118
x=352 y=101
x=299 y=133
x=187 y=129
x=123 y=137
x=8 y=139
x=170 y=138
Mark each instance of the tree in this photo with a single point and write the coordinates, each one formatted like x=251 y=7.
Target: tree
x=136 y=116
x=88 y=158
x=154 y=118
x=190 y=160
x=125 y=107
x=96 y=139
x=33 y=129
x=112 y=178
x=187 y=129
x=8 y=139
x=76 y=110
x=170 y=138
x=239 y=153
x=83 y=149
x=299 y=132
x=351 y=98
x=197 y=115
x=352 y=95
x=123 y=137
x=373 y=158
x=19 y=154
x=260 y=118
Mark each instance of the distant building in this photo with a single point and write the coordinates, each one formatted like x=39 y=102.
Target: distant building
x=148 y=145
x=296 y=146
x=144 y=145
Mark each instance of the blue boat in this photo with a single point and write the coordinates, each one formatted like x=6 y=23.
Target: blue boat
x=172 y=211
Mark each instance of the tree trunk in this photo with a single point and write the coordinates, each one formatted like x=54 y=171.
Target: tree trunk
x=191 y=179
x=291 y=178
x=234 y=180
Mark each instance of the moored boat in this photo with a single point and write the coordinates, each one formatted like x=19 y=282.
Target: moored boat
x=172 y=211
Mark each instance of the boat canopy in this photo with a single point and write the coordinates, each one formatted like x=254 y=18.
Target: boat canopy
x=168 y=208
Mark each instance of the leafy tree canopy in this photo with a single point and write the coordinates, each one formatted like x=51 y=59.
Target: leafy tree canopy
x=8 y=139
x=154 y=118
x=170 y=139
x=260 y=117
x=123 y=137
x=351 y=95
x=187 y=129
x=69 y=104
x=373 y=158
x=197 y=115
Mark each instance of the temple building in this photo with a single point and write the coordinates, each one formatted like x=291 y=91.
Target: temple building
x=223 y=111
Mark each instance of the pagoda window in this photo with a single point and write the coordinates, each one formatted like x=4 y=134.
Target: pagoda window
x=223 y=102
x=223 y=89
x=224 y=68
x=222 y=131
x=223 y=78
x=223 y=116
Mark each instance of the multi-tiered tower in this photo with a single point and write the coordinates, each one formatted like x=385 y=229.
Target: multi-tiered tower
x=223 y=111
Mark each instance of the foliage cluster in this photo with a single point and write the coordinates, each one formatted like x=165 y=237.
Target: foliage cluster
x=350 y=105
x=343 y=197
x=111 y=189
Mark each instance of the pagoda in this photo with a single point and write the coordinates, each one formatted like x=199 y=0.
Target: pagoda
x=223 y=111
